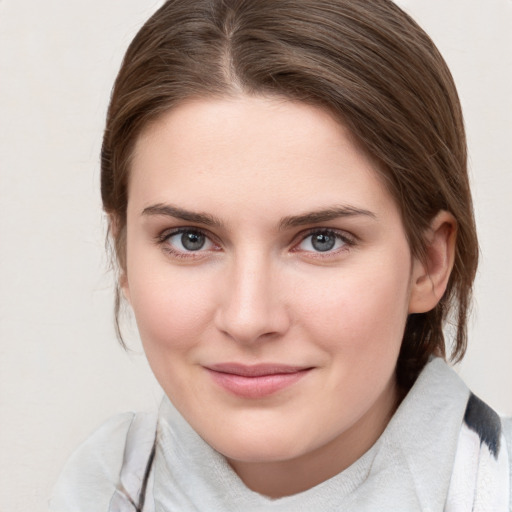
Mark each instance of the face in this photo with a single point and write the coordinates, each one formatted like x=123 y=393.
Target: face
x=270 y=277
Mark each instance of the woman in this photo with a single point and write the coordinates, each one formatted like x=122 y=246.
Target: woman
x=287 y=193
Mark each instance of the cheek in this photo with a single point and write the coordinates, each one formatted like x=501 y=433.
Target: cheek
x=171 y=306
x=360 y=311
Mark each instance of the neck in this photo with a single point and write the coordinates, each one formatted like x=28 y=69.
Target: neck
x=277 y=479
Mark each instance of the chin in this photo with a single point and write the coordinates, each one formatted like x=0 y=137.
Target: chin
x=256 y=448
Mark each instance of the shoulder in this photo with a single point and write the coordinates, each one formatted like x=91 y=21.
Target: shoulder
x=507 y=432
x=92 y=472
x=493 y=431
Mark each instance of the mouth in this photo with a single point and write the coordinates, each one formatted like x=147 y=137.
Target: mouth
x=255 y=381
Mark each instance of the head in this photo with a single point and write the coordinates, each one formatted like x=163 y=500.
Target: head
x=366 y=63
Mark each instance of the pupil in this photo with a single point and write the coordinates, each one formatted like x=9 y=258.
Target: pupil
x=192 y=241
x=323 y=241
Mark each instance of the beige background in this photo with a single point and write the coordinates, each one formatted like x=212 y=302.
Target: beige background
x=61 y=370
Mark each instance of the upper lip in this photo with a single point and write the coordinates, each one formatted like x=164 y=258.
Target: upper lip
x=255 y=370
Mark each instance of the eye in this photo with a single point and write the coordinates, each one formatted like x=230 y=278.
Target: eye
x=324 y=241
x=185 y=241
x=190 y=240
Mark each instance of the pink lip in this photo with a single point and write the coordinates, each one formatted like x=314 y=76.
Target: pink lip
x=255 y=381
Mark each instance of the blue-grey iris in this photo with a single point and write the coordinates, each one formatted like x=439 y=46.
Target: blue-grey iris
x=192 y=241
x=323 y=241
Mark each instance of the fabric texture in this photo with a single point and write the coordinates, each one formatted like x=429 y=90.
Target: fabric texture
x=443 y=450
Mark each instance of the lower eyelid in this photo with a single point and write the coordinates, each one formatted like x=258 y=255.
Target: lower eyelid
x=163 y=240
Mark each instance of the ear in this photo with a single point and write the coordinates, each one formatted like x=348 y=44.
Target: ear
x=124 y=285
x=118 y=238
x=430 y=276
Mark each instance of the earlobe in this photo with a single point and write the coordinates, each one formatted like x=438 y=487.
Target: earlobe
x=430 y=276
x=124 y=287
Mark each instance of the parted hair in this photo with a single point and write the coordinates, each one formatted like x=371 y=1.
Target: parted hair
x=365 y=61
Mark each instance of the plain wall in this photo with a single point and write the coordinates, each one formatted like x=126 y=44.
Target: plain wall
x=61 y=369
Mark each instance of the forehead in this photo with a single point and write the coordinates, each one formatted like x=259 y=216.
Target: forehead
x=253 y=152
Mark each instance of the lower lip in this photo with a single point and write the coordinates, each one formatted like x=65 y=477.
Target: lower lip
x=259 y=386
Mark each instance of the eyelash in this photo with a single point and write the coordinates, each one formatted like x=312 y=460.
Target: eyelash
x=347 y=239
x=164 y=237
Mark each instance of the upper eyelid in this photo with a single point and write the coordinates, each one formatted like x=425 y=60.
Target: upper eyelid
x=167 y=233
x=296 y=239
x=162 y=238
x=348 y=239
x=341 y=232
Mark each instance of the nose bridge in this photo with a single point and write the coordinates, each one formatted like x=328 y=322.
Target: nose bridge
x=251 y=305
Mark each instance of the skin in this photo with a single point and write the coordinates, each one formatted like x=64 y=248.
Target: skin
x=259 y=291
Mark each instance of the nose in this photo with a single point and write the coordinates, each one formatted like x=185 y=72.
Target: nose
x=251 y=306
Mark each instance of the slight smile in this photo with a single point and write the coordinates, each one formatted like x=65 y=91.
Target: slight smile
x=255 y=381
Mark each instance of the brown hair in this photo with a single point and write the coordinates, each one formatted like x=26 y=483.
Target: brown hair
x=366 y=61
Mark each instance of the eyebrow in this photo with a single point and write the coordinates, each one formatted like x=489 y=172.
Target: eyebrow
x=292 y=221
x=323 y=216
x=168 y=210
